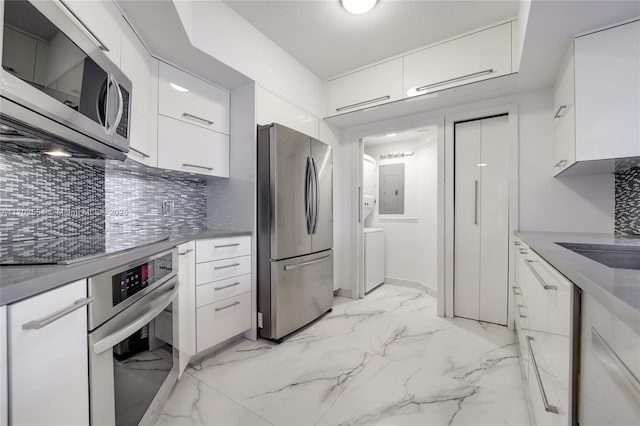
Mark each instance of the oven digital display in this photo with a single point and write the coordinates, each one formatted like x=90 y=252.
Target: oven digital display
x=132 y=281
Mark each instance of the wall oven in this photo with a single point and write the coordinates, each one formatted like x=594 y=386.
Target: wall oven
x=133 y=324
x=58 y=88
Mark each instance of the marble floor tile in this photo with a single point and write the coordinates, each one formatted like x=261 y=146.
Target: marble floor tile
x=386 y=359
x=195 y=403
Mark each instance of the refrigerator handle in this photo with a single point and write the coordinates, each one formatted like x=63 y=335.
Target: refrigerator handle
x=316 y=198
x=307 y=195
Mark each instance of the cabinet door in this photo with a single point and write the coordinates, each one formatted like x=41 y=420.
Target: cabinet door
x=564 y=118
x=475 y=57
x=136 y=64
x=363 y=89
x=222 y=320
x=102 y=22
x=49 y=365
x=192 y=149
x=194 y=101
x=4 y=369
x=186 y=303
x=19 y=53
x=608 y=93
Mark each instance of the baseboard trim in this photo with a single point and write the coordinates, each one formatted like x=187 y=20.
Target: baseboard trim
x=343 y=293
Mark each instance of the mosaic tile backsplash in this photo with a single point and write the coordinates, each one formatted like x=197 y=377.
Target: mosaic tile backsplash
x=627 y=210
x=42 y=197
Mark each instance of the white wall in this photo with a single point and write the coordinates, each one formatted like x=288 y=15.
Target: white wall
x=219 y=31
x=411 y=239
x=569 y=204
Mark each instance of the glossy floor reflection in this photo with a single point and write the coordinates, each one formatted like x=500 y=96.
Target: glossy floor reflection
x=387 y=359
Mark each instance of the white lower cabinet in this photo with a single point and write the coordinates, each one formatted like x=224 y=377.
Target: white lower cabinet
x=48 y=358
x=193 y=149
x=609 y=369
x=222 y=320
x=4 y=369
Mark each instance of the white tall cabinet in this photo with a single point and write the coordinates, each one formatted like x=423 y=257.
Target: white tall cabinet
x=481 y=220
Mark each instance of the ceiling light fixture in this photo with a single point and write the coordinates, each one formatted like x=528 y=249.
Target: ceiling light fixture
x=57 y=153
x=178 y=88
x=358 y=7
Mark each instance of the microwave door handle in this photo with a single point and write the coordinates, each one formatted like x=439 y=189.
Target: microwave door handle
x=156 y=306
x=101 y=101
x=112 y=128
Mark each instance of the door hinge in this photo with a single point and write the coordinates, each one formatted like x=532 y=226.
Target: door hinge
x=260 y=320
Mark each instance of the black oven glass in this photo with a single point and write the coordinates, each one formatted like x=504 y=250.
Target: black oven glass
x=132 y=281
x=39 y=53
x=141 y=364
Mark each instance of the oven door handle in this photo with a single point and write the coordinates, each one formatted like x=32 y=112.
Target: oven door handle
x=156 y=306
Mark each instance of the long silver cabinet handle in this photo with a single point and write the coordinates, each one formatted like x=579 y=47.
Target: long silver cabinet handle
x=560 y=109
x=38 y=324
x=227 y=245
x=99 y=42
x=197 y=166
x=520 y=314
x=475 y=204
x=227 y=307
x=538 y=277
x=303 y=264
x=517 y=291
x=195 y=117
x=139 y=152
x=612 y=361
x=560 y=163
x=227 y=286
x=453 y=80
x=547 y=407
x=370 y=101
x=155 y=307
x=187 y=251
x=226 y=266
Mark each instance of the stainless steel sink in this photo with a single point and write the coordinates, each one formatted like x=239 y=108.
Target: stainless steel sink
x=613 y=256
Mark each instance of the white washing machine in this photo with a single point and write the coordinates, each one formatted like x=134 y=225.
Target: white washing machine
x=373 y=258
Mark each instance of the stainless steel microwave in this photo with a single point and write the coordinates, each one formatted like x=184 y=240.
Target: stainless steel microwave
x=57 y=86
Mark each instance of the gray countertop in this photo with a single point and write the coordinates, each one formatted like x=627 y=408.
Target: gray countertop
x=23 y=281
x=616 y=289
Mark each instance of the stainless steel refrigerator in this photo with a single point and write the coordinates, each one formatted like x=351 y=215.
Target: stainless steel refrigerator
x=295 y=230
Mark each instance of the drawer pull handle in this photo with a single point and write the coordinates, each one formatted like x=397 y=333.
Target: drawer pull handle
x=547 y=407
x=197 y=166
x=523 y=251
x=139 y=152
x=520 y=314
x=38 y=324
x=227 y=245
x=538 y=277
x=558 y=112
x=99 y=42
x=455 y=79
x=226 y=266
x=227 y=286
x=560 y=163
x=185 y=252
x=517 y=291
x=517 y=243
x=612 y=362
x=227 y=307
x=370 y=101
x=303 y=264
x=195 y=117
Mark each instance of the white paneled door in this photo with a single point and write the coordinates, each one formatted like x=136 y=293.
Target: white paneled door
x=481 y=219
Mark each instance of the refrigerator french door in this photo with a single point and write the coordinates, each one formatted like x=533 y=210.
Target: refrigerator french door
x=295 y=230
x=481 y=204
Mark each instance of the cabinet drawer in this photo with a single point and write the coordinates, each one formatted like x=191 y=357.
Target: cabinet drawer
x=220 y=290
x=362 y=89
x=222 y=269
x=478 y=56
x=222 y=248
x=194 y=101
x=222 y=320
x=192 y=149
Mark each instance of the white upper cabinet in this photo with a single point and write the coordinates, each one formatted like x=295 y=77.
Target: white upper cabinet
x=189 y=148
x=137 y=65
x=194 y=101
x=362 y=89
x=564 y=118
x=273 y=109
x=607 y=84
x=102 y=22
x=478 y=56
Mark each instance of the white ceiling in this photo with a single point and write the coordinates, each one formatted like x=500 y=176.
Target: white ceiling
x=329 y=41
x=426 y=133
